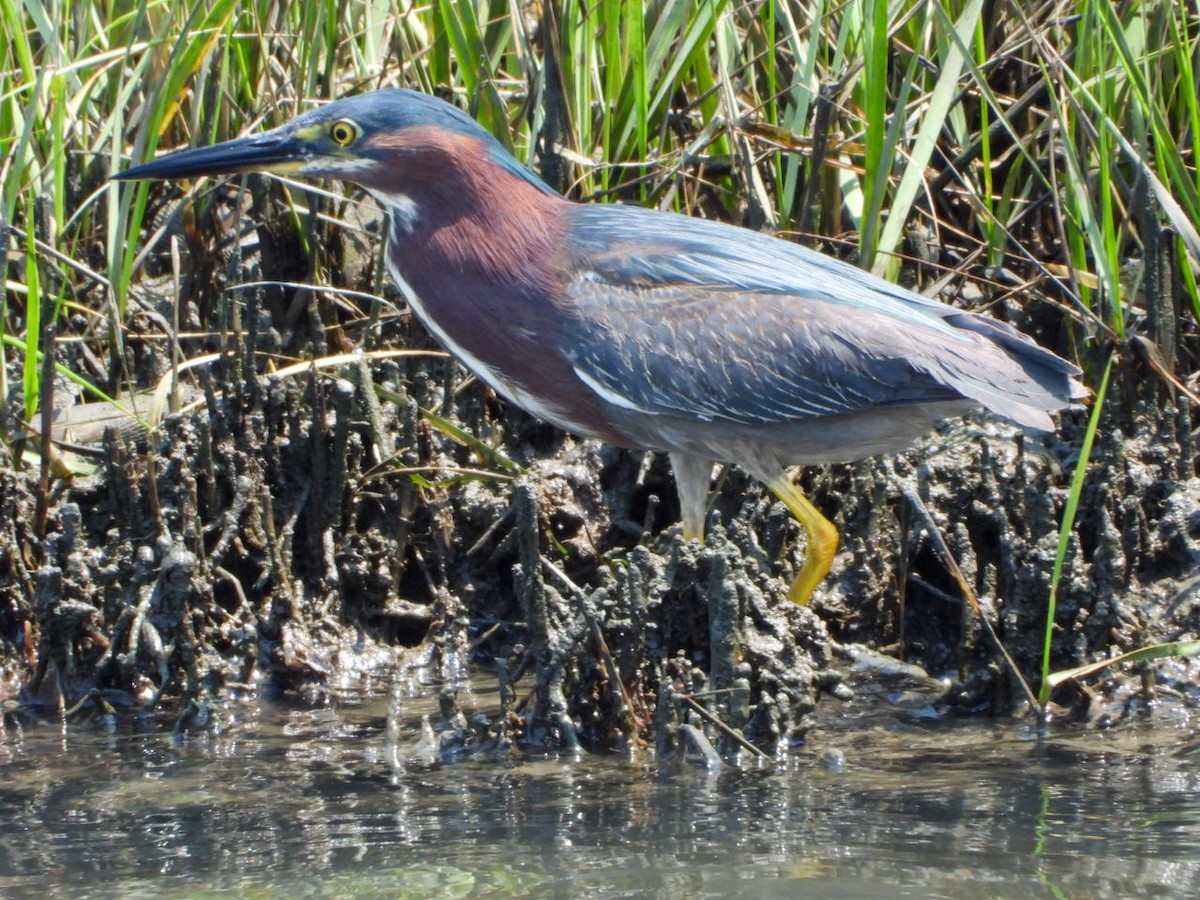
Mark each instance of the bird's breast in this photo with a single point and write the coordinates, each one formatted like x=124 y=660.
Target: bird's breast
x=505 y=333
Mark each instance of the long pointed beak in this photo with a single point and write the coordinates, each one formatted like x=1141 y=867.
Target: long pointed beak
x=279 y=150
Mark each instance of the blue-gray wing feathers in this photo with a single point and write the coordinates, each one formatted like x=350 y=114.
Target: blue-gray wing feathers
x=717 y=323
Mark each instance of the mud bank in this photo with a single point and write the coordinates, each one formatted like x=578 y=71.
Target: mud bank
x=291 y=526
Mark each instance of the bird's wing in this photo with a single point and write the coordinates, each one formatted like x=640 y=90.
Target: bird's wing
x=674 y=315
x=733 y=355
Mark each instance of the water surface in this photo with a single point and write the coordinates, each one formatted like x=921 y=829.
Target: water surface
x=288 y=799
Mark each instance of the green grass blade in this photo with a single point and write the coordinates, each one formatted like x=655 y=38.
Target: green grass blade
x=1142 y=654
x=1068 y=523
x=933 y=120
x=33 y=324
x=876 y=161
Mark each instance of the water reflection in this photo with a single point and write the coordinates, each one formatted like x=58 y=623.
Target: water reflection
x=294 y=800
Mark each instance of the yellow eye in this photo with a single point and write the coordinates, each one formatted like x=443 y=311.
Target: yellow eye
x=343 y=132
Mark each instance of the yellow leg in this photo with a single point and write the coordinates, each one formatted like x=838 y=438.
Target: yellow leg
x=822 y=539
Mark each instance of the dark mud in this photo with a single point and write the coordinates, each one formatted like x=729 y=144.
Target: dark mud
x=287 y=530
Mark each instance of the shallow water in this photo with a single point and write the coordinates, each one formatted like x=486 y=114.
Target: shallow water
x=292 y=800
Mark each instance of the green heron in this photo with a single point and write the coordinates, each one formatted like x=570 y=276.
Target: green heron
x=649 y=329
